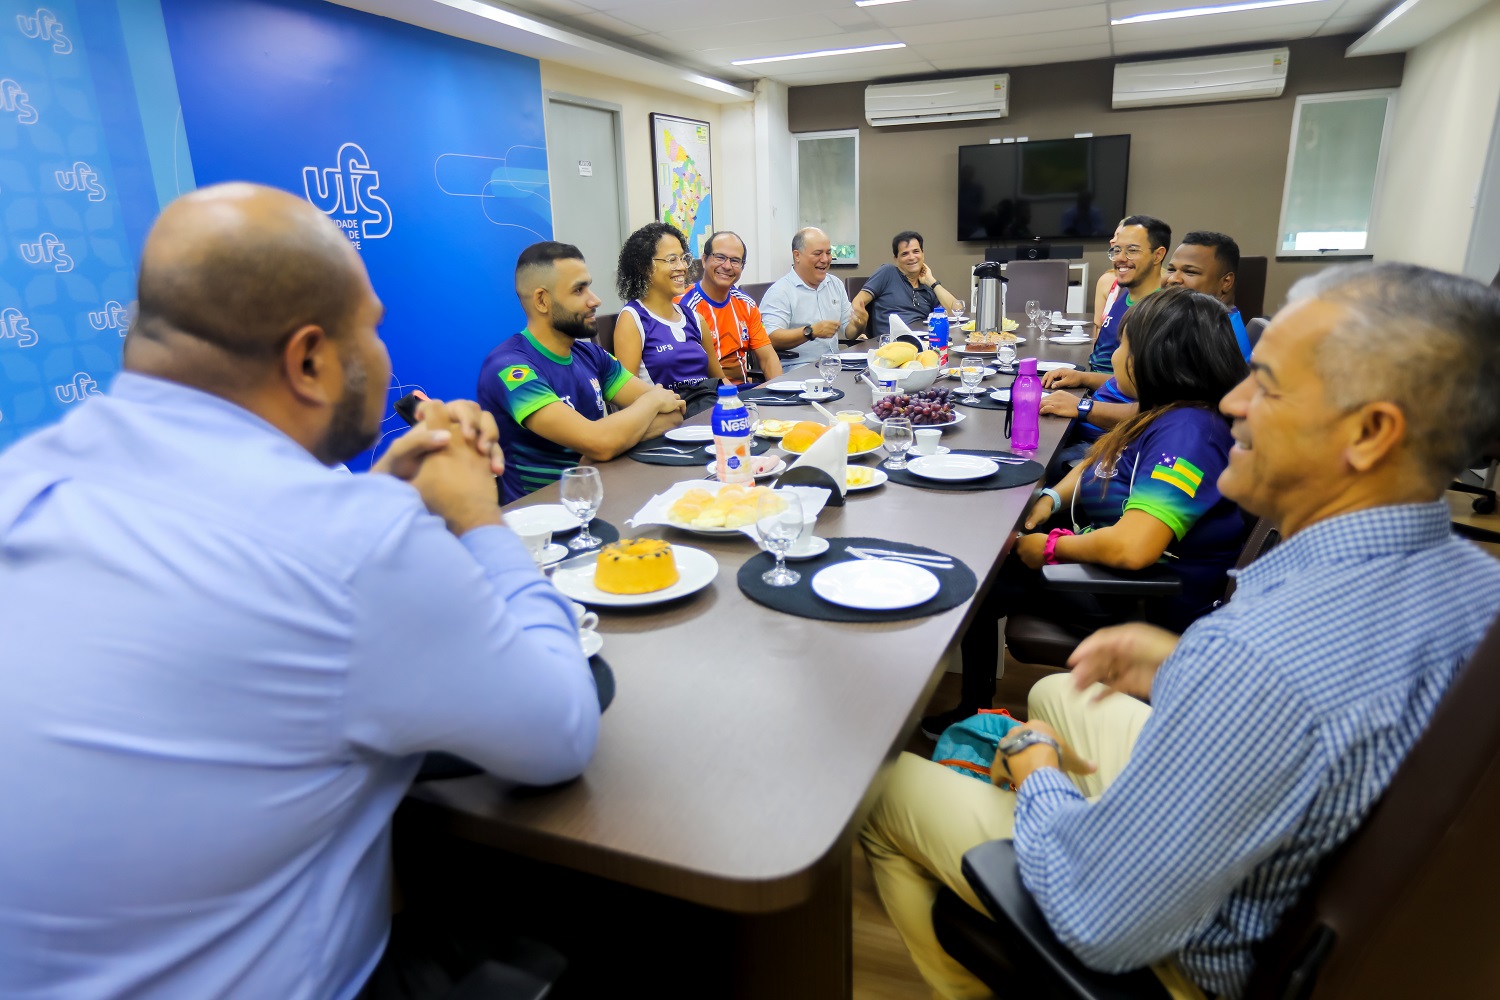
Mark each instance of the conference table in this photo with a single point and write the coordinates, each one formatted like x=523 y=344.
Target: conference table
x=745 y=746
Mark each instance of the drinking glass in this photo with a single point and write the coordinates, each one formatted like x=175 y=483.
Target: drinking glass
x=829 y=366
x=958 y=312
x=971 y=375
x=778 y=521
x=752 y=414
x=1033 y=307
x=1043 y=324
x=582 y=492
x=1005 y=357
x=897 y=438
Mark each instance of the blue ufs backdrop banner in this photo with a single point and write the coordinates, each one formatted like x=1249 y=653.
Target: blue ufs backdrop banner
x=76 y=196
x=429 y=151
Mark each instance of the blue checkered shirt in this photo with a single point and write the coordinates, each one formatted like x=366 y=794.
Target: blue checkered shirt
x=1276 y=724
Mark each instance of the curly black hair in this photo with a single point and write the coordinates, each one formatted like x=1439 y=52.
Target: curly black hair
x=633 y=272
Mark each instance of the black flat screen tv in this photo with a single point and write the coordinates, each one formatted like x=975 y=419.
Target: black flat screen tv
x=1053 y=189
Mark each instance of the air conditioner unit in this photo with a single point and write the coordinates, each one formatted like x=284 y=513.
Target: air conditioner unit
x=1239 y=76
x=958 y=100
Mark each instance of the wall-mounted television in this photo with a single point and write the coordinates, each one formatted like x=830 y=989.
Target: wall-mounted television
x=1051 y=189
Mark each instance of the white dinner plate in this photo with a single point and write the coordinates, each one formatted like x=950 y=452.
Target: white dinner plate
x=1001 y=395
x=698 y=432
x=553 y=517
x=1052 y=366
x=784 y=386
x=813 y=548
x=553 y=553
x=855 y=358
x=952 y=468
x=591 y=641
x=775 y=468
x=875 y=584
x=1072 y=338
x=879 y=480
x=954 y=372
x=957 y=416
x=696 y=568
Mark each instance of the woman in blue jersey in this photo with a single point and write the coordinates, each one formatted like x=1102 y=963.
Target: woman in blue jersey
x=1146 y=492
x=654 y=337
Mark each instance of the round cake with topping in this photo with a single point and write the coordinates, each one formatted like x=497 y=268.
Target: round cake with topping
x=636 y=566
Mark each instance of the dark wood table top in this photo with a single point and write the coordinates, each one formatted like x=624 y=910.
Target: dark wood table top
x=742 y=742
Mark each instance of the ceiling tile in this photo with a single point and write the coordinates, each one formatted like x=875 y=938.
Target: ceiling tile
x=1000 y=48
x=1144 y=43
x=1306 y=11
x=1001 y=28
x=754 y=50
x=605 y=25
x=1032 y=57
x=1356 y=25
x=545 y=8
x=1375 y=8
x=776 y=30
x=948 y=11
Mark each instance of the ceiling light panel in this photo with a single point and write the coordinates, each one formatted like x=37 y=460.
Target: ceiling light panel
x=1172 y=14
x=818 y=54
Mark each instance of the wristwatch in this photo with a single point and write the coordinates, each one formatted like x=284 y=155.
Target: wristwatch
x=1085 y=407
x=1021 y=738
x=807 y=333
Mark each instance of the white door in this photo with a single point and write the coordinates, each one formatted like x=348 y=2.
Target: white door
x=584 y=162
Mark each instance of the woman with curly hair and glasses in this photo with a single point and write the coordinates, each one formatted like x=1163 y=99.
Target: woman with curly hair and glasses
x=653 y=336
x=1147 y=492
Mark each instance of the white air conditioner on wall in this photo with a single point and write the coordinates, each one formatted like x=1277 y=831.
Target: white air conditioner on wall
x=957 y=100
x=1238 y=76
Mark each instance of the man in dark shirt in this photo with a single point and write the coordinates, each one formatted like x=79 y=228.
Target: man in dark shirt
x=906 y=288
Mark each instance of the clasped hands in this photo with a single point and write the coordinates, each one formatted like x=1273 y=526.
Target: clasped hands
x=451 y=456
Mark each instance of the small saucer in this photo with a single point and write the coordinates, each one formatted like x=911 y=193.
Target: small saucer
x=817 y=396
x=816 y=547
x=590 y=641
x=942 y=449
x=553 y=553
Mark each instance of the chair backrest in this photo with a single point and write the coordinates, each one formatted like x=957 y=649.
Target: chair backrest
x=756 y=290
x=1043 y=280
x=1255 y=328
x=1262 y=539
x=855 y=285
x=1407 y=906
x=604 y=330
x=1250 y=286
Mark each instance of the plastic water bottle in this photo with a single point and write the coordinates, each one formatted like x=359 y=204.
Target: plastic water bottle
x=937 y=333
x=1026 y=408
x=731 y=424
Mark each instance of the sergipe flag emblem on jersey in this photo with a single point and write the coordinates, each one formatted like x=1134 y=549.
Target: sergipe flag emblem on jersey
x=516 y=376
x=1181 y=473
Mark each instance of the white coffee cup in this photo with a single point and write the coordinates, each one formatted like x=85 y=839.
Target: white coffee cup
x=804 y=543
x=927 y=441
x=815 y=386
x=532 y=531
x=587 y=620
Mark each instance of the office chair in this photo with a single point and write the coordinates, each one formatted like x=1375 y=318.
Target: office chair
x=1255 y=328
x=1046 y=281
x=604 y=330
x=1403 y=908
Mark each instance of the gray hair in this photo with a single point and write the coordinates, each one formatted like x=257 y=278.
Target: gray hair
x=799 y=241
x=1413 y=336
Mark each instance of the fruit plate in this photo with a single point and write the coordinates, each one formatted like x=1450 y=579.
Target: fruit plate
x=878 y=479
x=853 y=454
x=880 y=421
x=696 y=569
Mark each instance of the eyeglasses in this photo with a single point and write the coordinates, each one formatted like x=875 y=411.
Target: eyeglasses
x=719 y=260
x=672 y=260
x=1127 y=252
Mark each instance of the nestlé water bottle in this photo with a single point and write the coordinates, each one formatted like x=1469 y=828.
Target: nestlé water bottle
x=1025 y=408
x=937 y=333
x=731 y=425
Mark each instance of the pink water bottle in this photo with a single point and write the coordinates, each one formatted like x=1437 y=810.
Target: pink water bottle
x=1025 y=408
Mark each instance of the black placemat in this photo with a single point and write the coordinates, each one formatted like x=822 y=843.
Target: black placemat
x=767 y=398
x=688 y=452
x=439 y=765
x=957 y=585
x=600 y=529
x=982 y=402
x=1009 y=476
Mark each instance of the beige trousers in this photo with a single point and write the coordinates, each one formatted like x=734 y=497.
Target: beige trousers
x=929 y=815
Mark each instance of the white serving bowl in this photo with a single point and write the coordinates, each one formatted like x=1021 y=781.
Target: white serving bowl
x=907 y=379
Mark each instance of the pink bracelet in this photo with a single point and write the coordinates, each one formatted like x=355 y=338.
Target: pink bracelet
x=1049 y=554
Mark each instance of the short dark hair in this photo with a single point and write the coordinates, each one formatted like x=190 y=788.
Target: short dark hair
x=906 y=237
x=1183 y=352
x=1157 y=231
x=541 y=255
x=633 y=275
x=708 y=244
x=1226 y=250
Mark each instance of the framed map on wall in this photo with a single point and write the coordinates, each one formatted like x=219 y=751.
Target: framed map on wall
x=684 y=177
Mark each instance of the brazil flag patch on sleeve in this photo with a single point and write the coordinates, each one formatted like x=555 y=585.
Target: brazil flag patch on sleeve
x=516 y=376
x=1181 y=473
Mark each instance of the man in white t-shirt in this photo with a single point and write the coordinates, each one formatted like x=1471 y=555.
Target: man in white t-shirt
x=807 y=310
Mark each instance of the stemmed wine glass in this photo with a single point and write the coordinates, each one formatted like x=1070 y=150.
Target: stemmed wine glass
x=582 y=493
x=1005 y=357
x=1033 y=308
x=829 y=367
x=958 y=312
x=971 y=375
x=897 y=438
x=1043 y=324
x=778 y=521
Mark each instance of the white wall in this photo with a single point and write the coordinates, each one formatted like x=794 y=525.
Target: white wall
x=1445 y=115
x=775 y=184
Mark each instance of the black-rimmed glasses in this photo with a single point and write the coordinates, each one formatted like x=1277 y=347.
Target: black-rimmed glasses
x=719 y=260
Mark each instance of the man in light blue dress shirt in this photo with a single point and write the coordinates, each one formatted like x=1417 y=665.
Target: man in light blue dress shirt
x=807 y=310
x=1185 y=829
x=223 y=659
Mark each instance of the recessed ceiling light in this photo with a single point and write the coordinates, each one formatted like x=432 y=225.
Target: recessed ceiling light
x=820 y=53
x=1226 y=8
x=877 y=3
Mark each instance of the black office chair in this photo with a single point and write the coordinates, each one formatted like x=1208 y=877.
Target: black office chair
x=1255 y=328
x=1403 y=908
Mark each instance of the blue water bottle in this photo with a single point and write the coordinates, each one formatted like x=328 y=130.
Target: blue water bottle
x=937 y=329
x=731 y=425
x=1026 y=408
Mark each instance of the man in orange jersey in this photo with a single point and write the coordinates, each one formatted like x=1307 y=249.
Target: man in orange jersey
x=732 y=315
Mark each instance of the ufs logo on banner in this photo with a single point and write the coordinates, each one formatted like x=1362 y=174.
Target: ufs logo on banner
x=13 y=98
x=113 y=317
x=76 y=391
x=15 y=326
x=45 y=26
x=346 y=193
x=48 y=249
x=81 y=178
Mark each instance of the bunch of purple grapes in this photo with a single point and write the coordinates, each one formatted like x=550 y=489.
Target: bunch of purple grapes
x=930 y=406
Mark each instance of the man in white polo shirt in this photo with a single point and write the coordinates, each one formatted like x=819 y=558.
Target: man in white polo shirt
x=807 y=310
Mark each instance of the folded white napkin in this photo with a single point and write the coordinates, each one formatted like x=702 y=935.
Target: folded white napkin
x=831 y=454
x=899 y=327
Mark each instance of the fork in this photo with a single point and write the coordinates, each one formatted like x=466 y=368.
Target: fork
x=914 y=558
